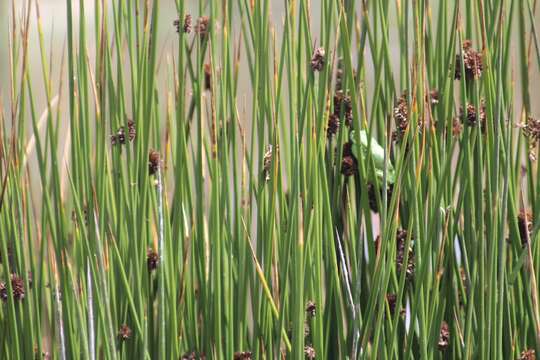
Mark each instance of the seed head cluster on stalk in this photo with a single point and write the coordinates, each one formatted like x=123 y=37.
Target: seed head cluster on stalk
x=154 y=162
x=525 y=226
x=401 y=117
x=472 y=117
x=318 y=59
x=124 y=333
x=444 y=337
x=267 y=162
x=242 y=355
x=531 y=129
x=472 y=62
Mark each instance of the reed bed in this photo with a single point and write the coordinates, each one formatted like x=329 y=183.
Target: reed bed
x=339 y=180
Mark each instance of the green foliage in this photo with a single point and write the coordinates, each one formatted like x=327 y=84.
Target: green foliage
x=143 y=214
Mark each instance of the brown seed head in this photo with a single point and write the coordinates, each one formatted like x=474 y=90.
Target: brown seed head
x=318 y=59
x=349 y=163
x=309 y=351
x=311 y=308
x=153 y=162
x=391 y=300
x=3 y=291
x=207 y=77
x=472 y=62
x=434 y=97
x=372 y=195
x=528 y=354
x=242 y=355
x=193 y=356
x=401 y=242
x=119 y=138
x=531 y=129
x=471 y=116
x=377 y=244
x=152 y=259
x=401 y=116
x=267 y=162
x=132 y=131
x=525 y=226
x=457 y=127
x=343 y=103
x=17 y=284
x=202 y=26
x=124 y=333
x=187 y=24
x=333 y=125
x=339 y=75
x=189 y=356
x=444 y=337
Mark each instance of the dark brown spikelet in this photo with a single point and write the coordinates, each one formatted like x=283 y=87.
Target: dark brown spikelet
x=124 y=333
x=267 y=163
x=401 y=117
x=187 y=24
x=465 y=282
x=339 y=75
x=207 y=77
x=192 y=355
x=343 y=102
x=333 y=125
x=349 y=163
x=401 y=242
x=471 y=116
x=457 y=127
x=525 y=226
x=377 y=244
x=311 y=308
x=17 y=284
x=528 y=354
x=434 y=97
x=153 y=162
x=309 y=351
x=457 y=71
x=318 y=59
x=202 y=26
x=132 y=131
x=119 y=138
x=391 y=299
x=531 y=129
x=372 y=196
x=444 y=337
x=472 y=62
x=84 y=215
x=189 y=356
x=242 y=355
x=152 y=259
x=3 y=291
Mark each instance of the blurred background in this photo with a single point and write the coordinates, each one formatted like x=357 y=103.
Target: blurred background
x=53 y=17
